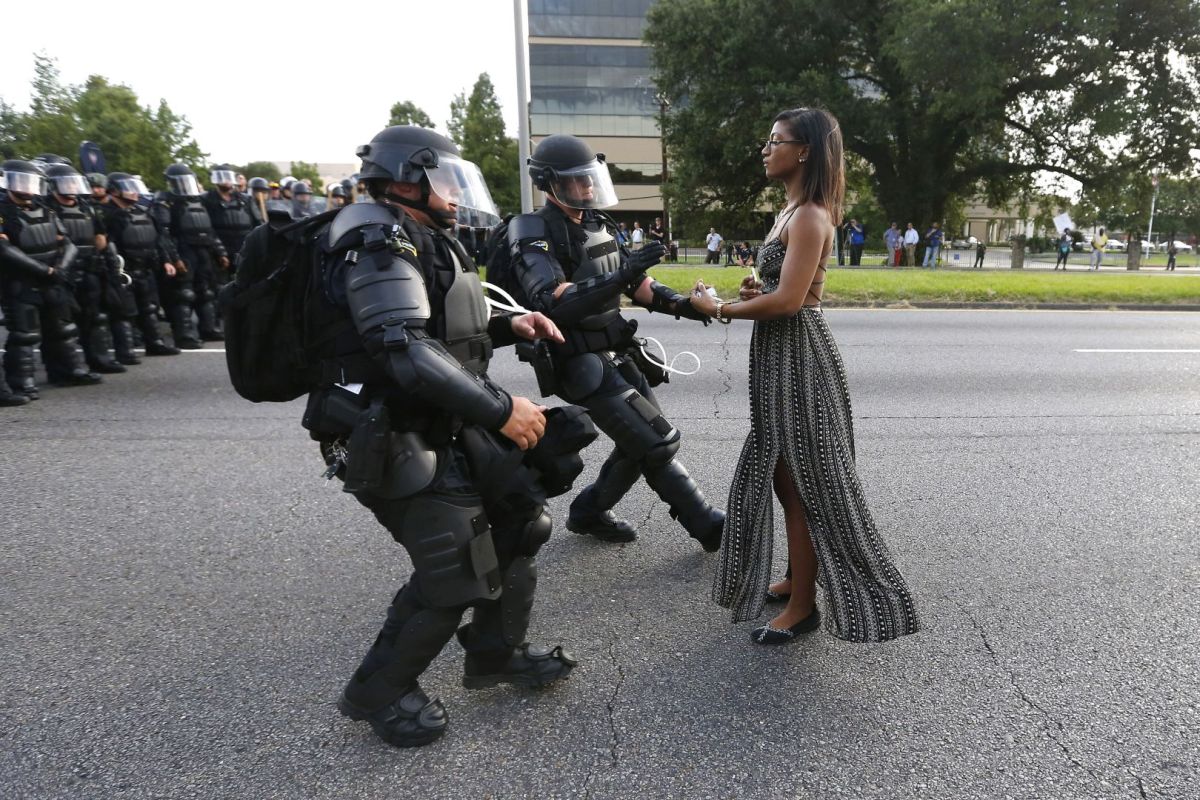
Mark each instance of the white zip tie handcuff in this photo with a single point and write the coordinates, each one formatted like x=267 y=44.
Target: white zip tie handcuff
x=516 y=308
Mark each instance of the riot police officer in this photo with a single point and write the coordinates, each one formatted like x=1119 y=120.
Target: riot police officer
x=302 y=204
x=260 y=193
x=426 y=440
x=96 y=266
x=230 y=212
x=568 y=264
x=337 y=196
x=36 y=259
x=146 y=251
x=180 y=213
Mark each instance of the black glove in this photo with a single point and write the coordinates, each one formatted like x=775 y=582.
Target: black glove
x=641 y=260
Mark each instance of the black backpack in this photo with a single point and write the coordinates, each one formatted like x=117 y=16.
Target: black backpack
x=266 y=310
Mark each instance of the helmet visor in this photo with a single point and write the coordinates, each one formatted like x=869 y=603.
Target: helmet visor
x=25 y=183
x=586 y=186
x=460 y=182
x=186 y=185
x=131 y=186
x=224 y=177
x=70 y=184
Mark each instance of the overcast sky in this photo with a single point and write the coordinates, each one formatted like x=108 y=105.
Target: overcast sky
x=274 y=81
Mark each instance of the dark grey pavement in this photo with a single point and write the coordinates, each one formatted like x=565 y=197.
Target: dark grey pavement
x=182 y=596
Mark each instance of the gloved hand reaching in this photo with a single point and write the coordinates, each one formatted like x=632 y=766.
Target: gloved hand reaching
x=641 y=260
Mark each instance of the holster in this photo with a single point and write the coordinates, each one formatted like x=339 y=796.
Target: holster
x=387 y=463
x=539 y=354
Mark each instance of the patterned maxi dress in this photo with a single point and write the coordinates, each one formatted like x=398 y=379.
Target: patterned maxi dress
x=800 y=412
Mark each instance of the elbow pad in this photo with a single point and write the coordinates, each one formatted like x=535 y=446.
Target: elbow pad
x=580 y=300
x=422 y=365
x=529 y=246
x=13 y=256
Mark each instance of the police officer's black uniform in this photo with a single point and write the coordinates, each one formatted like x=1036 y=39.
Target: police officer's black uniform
x=37 y=259
x=179 y=212
x=96 y=276
x=598 y=366
x=137 y=238
x=232 y=218
x=409 y=419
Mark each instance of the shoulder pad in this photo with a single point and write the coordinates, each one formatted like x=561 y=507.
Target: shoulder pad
x=358 y=215
x=526 y=226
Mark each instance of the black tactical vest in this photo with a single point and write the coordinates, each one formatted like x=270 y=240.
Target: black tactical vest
x=597 y=254
x=190 y=222
x=230 y=218
x=80 y=222
x=37 y=235
x=139 y=238
x=459 y=312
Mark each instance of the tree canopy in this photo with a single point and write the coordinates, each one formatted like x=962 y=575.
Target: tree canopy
x=134 y=138
x=941 y=100
x=477 y=126
x=406 y=112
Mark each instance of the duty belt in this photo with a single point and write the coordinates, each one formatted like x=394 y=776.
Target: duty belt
x=618 y=335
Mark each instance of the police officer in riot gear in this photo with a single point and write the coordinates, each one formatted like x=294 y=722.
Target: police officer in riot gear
x=146 y=251
x=302 y=195
x=337 y=196
x=446 y=459
x=231 y=212
x=96 y=265
x=569 y=265
x=260 y=193
x=98 y=182
x=36 y=260
x=183 y=216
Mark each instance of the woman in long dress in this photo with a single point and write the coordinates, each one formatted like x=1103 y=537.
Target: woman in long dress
x=801 y=439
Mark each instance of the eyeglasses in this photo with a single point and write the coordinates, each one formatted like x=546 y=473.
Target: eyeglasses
x=773 y=142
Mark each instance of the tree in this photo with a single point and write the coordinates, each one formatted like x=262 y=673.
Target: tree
x=50 y=126
x=304 y=171
x=111 y=117
x=261 y=169
x=477 y=126
x=942 y=100
x=406 y=113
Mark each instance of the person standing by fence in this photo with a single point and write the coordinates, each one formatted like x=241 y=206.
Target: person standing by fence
x=1099 y=241
x=894 y=240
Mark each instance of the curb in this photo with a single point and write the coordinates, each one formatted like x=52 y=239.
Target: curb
x=902 y=304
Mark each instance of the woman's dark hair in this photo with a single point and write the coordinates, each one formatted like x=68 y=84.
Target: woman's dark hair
x=824 y=176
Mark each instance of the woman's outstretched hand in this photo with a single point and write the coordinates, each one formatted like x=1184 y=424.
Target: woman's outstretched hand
x=750 y=288
x=702 y=301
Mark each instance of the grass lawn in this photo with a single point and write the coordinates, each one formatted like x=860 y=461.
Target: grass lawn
x=882 y=287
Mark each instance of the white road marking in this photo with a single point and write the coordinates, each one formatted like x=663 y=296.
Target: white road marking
x=1132 y=350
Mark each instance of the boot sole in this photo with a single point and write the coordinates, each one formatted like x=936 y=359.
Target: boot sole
x=473 y=682
x=583 y=530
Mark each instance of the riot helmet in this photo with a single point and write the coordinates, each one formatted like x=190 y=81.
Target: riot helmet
x=259 y=185
x=181 y=181
x=97 y=180
x=65 y=181
x=23 y=179
x=301 y=199
x=411 y=154
x=224 y=176
x=126 y=187
x=565 y=168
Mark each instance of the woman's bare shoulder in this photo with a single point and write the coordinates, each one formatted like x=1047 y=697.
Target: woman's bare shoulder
x=809 y=220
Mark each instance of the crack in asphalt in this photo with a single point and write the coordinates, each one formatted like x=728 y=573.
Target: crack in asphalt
x=726 y=377
x=1025 y=698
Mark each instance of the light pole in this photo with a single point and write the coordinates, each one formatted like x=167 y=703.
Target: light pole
x=663 y=105
x=1150 y=230
x=522 y=45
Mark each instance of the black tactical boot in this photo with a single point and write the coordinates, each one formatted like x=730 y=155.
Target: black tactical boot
x=584 y=518
x=161 y=348
x=411 y=720
x=122 y=336
x=530 y=665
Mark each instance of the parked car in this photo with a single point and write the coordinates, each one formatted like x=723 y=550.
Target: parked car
x=1180 y=247
x=964 y=244
x=1116 y=246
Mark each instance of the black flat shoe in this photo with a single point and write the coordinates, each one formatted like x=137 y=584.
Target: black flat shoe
x=778 y=597
x=769 y=635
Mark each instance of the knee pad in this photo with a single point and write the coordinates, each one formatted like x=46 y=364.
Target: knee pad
x=634 y=424
x=25 y=338
x=582 y=375
x=186 y=296
x=100 y=318
x=535 y=534
x=661 y=453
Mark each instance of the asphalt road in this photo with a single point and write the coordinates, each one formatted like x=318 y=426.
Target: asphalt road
x=182 y=596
